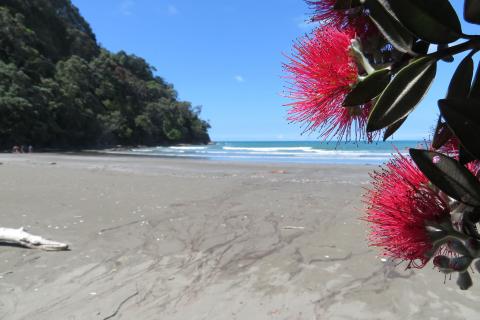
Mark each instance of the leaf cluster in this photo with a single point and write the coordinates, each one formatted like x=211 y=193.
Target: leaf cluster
x=411 y=27
x=414 y=28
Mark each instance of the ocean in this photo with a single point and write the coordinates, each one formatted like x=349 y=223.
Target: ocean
x=285 y=151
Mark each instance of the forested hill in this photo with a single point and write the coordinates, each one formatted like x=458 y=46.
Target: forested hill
x=59 y=88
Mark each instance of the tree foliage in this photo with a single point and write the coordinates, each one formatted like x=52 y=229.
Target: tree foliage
x=59 y=88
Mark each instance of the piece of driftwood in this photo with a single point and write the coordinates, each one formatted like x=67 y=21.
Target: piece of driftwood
x=22 y=238
x=292 y=228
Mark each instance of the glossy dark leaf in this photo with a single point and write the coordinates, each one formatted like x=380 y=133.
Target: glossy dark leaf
x=443 y=11
x=463 y=118
x=421 y=47
x=442 y=135
x=393 y=128
x=448 y=175
x=462 y=78
x=464 y=156
x=346 y=4
x=390 y=27
x=368 y=88
x=471 y=11
x=459 y=87
x=447 y=58
x=402 y=94
x=434 y=21
x=475 y=89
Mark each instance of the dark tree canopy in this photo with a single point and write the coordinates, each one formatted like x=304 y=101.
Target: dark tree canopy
x=59 y=88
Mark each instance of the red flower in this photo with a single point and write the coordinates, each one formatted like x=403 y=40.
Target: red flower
x=452 y=149
x=354 y=18
x=322 y=72
x=400 y=206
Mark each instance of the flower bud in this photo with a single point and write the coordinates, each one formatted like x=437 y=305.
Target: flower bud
x=448 y=265
x=473 y=246
x=464 y=280
x=477 y=265
x=442 y=263
x=458 y=247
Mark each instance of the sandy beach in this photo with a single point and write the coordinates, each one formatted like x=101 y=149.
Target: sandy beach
x=184 y=239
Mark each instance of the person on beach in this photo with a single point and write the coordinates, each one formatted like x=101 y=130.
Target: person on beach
x=16 y=149
x=30 y=149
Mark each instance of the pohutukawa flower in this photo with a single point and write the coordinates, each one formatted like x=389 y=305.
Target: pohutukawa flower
x=452 y=148
x=354 y=18
x=401 y=205
x=322 y=71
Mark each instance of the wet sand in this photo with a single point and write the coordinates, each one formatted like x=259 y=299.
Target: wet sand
x=192 y=239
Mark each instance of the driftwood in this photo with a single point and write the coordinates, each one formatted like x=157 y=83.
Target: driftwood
x=25 y=239
x=292 y=228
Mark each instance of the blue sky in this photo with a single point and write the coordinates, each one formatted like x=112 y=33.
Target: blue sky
x=227 y=56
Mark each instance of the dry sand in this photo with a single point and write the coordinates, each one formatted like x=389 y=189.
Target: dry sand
x=179 y=239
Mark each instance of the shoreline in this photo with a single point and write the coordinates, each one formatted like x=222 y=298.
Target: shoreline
x=267 y=152
x=192 y=239
x=101 y=155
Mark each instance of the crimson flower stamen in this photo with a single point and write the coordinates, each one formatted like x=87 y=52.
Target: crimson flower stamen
x=322 y=71
x=355 y=19
x=401 y=204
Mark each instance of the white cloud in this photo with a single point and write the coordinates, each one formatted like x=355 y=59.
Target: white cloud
x=239 y=79
x=126 y=7
x=172 y=10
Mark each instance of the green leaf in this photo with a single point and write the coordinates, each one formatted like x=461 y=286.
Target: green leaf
x=464 y=156
x=368 y=88
x=421 y=47
x=442 y=135
x=403 y=93
x=390 y=27
x=434 y=21
x=475 y=89
x=448 y=175
x=459 y=88
x=471 y=11
x=443 y=47
x=463 y=118
x=464 y=280
x=462 y=78
x=393 y=128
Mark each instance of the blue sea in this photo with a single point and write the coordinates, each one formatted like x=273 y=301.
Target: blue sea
x=285 y=151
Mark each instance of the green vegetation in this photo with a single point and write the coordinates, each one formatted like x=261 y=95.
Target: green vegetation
x=59 y=88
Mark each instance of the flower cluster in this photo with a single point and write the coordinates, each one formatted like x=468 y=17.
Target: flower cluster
x=409 y=217
x=452 y=149
x=353 y=18
x=322 y=71
x=401 y=204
